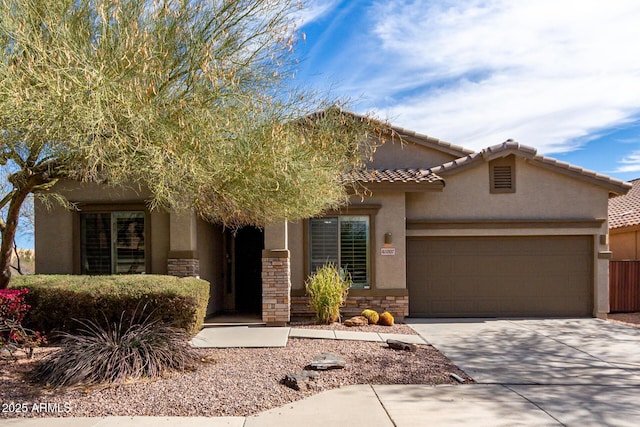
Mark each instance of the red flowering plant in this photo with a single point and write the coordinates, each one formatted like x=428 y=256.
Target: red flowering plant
x=13 y=335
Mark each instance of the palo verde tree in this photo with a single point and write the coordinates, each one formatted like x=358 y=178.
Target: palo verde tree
x=188 y=98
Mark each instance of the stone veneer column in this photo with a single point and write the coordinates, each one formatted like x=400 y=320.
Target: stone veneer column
x=183 y=267
x=182 y=259
x=276 y=287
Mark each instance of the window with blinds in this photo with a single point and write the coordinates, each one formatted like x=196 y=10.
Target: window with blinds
x=344 y=241
x=112 y=243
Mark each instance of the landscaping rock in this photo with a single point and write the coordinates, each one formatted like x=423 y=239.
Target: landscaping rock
x=357 y=321
x=401 y=345
x=294 y=381
x=326 y=361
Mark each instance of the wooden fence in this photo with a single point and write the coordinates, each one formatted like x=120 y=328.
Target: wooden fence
x=624 y=286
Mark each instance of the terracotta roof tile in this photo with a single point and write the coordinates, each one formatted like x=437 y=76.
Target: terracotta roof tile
x=391 y=175
x=624 y=211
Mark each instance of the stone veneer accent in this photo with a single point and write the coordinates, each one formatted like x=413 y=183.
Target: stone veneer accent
x=183 y=267
x=276 y=287
x=396 y=305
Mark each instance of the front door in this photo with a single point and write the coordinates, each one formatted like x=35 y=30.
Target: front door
x=249 y=243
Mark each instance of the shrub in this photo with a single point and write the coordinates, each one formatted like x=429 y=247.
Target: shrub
x=386 y=319
x=13 y=335
x=114 y=352
x=56 y=299
x=371 y=315
x=327 y=290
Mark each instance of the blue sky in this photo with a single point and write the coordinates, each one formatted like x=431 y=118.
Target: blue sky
x=562 y=76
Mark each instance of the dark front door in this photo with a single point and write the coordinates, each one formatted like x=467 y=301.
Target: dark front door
x=249 y=243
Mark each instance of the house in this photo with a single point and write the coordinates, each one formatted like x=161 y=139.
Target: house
x=446 y=232
x=624 y=224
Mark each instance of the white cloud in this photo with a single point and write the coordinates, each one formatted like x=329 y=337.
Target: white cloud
x=630 y=163
x=477 y=72
x=313 y=10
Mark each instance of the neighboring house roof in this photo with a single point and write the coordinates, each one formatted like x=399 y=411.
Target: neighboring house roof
x=392 y=175
x=512 y=147
x=624 y=211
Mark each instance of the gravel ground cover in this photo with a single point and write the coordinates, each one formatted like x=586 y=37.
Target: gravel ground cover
x=231 y=382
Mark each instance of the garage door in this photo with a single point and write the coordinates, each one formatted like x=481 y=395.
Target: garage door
x=500 y=276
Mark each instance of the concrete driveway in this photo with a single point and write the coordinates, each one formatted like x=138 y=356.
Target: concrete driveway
x=575 y=371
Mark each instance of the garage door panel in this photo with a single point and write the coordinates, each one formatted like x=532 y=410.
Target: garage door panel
x=500 y=276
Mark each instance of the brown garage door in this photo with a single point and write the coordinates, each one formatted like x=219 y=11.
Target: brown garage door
x=500 y=276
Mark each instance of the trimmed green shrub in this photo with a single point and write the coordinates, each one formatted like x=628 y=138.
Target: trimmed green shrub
x=386 y=319
x=57 y=299
x=114 y=352
x=371 y=315
x=327 y=290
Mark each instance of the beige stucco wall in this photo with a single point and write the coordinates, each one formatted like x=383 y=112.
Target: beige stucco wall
x=625 y=243
x=296 y=251
x=390 y=271
x=539 y=194
x=210 y=254
x=53 y=240
x=392 y=155
x=54 y=233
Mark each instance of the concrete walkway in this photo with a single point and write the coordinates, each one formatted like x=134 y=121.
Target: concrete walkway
x=582 y=372
x=243 y=336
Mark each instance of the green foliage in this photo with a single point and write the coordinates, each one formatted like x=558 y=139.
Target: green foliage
x=327 y=290
x=371 y=315
x=386 y=319
x=111 y=352
x=57 y=299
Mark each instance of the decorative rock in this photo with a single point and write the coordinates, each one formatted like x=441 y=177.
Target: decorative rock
x=401 y=345
x=357 y=321
x=325 y=361
x=294 y=381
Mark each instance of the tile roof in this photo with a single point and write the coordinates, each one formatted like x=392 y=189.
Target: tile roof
x=423 y=139
x=511 y=146
x=392 y=175
x=624 y=211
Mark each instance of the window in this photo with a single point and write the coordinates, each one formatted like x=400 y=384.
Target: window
x=112 y=243
x=344 y=241
x=502 y=175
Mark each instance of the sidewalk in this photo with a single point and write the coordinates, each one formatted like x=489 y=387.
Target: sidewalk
x=354 y=406
x=244 y=336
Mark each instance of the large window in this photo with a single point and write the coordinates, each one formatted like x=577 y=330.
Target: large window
x=112 y=243
x=344 y=241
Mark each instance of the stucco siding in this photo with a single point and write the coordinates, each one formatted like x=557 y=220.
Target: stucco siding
x=209 y=243
x=53 y=240
x=159 y=242
x=297 y=251
x=390 y=270
x=392 y=155
x=540 y=194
